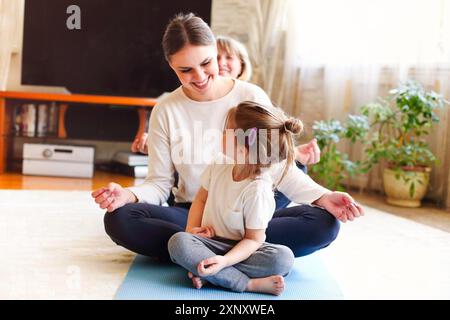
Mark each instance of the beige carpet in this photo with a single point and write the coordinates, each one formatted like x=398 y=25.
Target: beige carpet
x=53 y=246
x=383 y=256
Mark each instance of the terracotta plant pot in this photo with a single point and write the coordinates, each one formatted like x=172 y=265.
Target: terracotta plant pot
x=398 y=190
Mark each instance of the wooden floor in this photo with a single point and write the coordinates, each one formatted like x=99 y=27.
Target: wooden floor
x=428 y=214
x=101 y=178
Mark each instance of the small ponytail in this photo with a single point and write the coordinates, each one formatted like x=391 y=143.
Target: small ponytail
x=252 y=115
x=293 y=125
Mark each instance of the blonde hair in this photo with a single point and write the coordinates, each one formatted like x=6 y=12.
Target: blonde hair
x=186 y=29
x=250 y=115
x=232 y=46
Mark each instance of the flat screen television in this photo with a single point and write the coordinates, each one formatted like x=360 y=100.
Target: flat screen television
x=117 y=50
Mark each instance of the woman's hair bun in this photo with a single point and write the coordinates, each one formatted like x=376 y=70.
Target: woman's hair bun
x=293 y=125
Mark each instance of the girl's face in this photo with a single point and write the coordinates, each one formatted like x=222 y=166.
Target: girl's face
x=229 y=64
x=230 y=146
x=196 y=68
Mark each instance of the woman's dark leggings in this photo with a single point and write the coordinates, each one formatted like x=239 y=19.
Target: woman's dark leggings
x=146 y=228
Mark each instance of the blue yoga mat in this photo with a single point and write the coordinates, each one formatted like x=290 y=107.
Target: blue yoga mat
x=148 y=279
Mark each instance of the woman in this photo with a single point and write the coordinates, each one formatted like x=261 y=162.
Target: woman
x=135 y=218
x=234 y=62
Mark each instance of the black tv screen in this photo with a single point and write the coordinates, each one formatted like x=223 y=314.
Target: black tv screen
x=117 y=50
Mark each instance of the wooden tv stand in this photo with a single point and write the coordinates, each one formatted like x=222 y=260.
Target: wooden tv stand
x=7 y=121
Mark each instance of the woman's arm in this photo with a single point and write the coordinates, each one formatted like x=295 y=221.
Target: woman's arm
x=297 y=186
x=160 y=178
x=251 y=242
x=341 y=205
x=196 y=212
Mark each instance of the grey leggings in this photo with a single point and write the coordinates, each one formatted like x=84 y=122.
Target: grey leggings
x=188 y=250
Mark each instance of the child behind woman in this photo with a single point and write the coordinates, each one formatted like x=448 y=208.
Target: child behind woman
x=224 y=242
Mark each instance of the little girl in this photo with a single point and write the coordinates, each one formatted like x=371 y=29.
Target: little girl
x=225 y=233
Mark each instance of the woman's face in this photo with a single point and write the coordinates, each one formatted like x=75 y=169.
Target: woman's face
x=229 y=64
x=196 y=68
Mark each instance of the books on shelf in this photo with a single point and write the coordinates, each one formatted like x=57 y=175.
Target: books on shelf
x=31 y=120
x=133 y=171
x=29 y=123
x=42 y=123
x=130 y=158
x=130 y=164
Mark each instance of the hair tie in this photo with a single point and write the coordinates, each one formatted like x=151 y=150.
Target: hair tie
x=252 y=136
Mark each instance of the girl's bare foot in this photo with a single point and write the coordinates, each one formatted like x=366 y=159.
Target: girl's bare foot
x=273 y=285
x=196 y=281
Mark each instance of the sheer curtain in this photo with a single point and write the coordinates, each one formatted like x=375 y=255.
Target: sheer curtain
x=260 y=26
x=323 y=59
x=361 y=45
x=10 y=11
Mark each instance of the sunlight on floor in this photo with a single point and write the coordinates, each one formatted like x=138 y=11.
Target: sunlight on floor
x=382 y=256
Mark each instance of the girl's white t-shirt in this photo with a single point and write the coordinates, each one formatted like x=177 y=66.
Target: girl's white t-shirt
x=185 y=136
x=233 y=206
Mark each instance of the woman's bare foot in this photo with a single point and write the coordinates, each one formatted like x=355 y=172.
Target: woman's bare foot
x=273 y=285
x=196 y=281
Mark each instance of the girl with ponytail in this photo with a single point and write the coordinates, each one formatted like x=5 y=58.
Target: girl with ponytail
x=224 y=240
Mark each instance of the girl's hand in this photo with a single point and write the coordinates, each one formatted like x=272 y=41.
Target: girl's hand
x=206 y=232
x=113 y=196
x=140 y=144
x=341 y=205
x=211 y=266
x=308 y=153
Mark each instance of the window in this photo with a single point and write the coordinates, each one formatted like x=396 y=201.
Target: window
x=382 y=32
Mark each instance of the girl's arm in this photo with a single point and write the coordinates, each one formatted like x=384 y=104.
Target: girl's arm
x=251 y=242
x=253 y=239
x=196 y=212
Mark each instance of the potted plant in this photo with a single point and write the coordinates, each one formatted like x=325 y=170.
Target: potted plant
x=335 y=165
x=398 y=127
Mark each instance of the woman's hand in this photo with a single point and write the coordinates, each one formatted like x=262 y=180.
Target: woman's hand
x=211 y=266
x=140 y=144
x=113 y=196
x=308 y=153
x=341 y=205
x=206 y=232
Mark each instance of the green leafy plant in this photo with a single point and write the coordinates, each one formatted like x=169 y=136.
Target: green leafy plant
x=334 y=165
x=398 y=127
